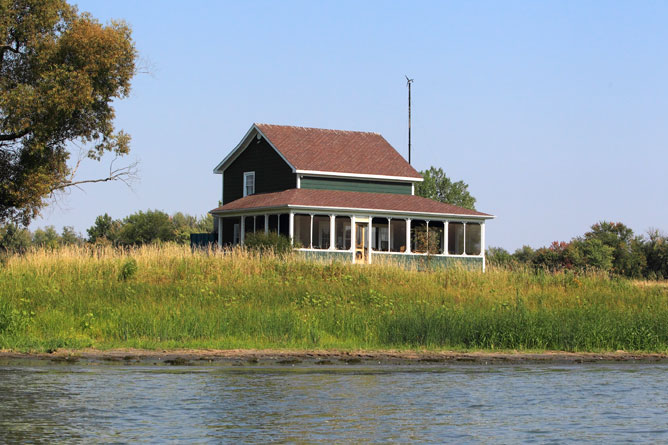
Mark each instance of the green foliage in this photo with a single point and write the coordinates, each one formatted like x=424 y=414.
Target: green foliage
x=146 y=227
x=128 y=269
x=498 y=256
x=656 y=254
x=60 y=72
x=46 y=238
x=172 y=297
x=628 y=259
x=438 y=186
x=14 y=238
x=103 y=228
x=269 y=242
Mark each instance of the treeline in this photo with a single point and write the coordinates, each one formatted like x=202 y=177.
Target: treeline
x=134 y=230
x=609 y=246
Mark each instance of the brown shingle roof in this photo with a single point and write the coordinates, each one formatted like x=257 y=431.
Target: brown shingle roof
x=346 y=200
x=337 y=151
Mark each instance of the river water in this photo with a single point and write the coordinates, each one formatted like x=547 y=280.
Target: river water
x=342 y=403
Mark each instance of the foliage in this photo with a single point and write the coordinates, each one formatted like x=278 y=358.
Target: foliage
x=128 y=269
x=628 y=259
x=499 y=257
x=103 y=228
x=438 y=186
x=656 y=254
x=146 y=227
x=179 y=298
x=268 y=242
x=60 y=71
x=14 y=238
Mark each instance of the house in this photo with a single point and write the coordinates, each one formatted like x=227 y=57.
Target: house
x=345 y=195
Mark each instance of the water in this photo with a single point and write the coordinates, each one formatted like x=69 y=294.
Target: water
x=445 y=403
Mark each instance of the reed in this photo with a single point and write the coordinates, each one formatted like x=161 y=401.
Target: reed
x=171 y=297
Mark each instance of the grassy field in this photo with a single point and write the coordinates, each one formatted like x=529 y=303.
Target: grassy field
x=168 y=297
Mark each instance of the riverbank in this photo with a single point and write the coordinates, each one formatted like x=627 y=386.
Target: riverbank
x=171 y=298
x=250 y=357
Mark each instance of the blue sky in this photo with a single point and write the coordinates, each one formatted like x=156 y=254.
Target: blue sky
x=554 y=113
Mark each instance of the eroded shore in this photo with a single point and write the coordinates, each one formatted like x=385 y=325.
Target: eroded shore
x=184 y=357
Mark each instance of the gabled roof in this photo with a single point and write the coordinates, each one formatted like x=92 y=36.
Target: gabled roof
x=344 y=200
x=331 y=152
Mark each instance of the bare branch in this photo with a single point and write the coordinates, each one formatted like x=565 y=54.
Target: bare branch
x=127 y=175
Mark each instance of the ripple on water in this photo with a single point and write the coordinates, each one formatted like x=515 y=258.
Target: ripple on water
x=542 y=403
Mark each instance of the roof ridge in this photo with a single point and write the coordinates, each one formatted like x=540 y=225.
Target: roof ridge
x=332 y=130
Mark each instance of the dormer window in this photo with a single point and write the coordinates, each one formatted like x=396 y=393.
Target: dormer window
x=249 y=183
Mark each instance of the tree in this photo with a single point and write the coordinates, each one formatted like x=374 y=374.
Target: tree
x=14 y=238
x=69 y=237
x=146 y=227
x=46 y=238
x=104 y=227
x=628 y=258
x=438 y=186
x=60 y=71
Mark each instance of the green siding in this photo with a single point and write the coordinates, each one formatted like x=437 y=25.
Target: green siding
x=355 y=185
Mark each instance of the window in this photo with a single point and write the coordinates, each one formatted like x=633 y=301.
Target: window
x=380 y=235
x=320 y=235
x=249 y=183
x=397 y=235
x=342 y=232
x=456 y=238
x=303 y=230
x=473 y=239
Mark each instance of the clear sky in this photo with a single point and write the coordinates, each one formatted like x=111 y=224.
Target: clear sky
x=554 y=113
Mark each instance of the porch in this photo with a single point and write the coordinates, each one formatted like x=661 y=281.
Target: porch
x=365 y=237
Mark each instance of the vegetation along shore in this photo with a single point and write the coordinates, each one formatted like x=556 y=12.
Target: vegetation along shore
x=170 y=297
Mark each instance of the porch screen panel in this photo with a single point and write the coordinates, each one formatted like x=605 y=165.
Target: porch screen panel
x=320 y=232
x=397 y=235
x=259 y=224
x=380 y=238
x=342 y=232
x=419 y=236
x=302 y=230
x=249 y=224
x=435 y=237
x=456 y=238
x=273 y=223
x=473 y=241
x=284 y=226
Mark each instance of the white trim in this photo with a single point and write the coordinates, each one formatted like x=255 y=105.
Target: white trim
x=247 y=175
x=360 y=175
x=299 y=181
x=241 y=146
x=413 y=189
x=291 y=229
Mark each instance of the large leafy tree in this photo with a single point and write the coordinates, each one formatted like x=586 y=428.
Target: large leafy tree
x=60 y=71
x=438 y=186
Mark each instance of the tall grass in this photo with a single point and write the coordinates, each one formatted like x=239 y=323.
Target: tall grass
x=170 y=297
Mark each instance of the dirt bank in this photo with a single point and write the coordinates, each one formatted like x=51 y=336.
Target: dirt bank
x=319 y=357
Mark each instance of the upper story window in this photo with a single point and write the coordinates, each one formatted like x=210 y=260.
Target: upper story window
x=249 y=183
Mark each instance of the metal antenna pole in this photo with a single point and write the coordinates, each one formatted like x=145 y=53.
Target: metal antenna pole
x=409 y=82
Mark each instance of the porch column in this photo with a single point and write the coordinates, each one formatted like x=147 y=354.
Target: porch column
x=408 y=235
x=291 y=229
x=220 y=231
x=332 y=227
x=427 y=237
x=389 y=233
x=266 y=223
x=311 y=233
x=445 y=237
x=368 y=239
x=242 y=235
x=352 y=235
x=464 y=240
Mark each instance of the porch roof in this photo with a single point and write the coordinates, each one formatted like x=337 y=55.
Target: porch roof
x=346 y=201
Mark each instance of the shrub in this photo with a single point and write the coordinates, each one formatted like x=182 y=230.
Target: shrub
x=128 y=269
x=268 y=242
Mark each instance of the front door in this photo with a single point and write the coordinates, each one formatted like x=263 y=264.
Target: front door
x=362 y=242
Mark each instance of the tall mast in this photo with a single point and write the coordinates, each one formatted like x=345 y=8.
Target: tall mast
x=409 y=82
